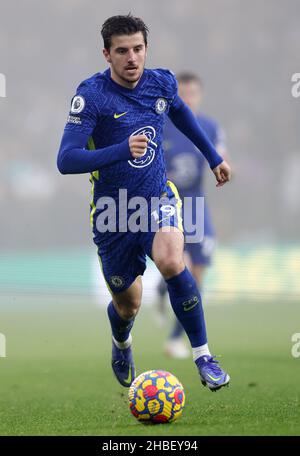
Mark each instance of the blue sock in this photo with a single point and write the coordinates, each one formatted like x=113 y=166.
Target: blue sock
x=120 y=328
x=186 y=303
x=177 y=330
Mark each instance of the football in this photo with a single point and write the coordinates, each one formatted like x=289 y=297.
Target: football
x=156 y=397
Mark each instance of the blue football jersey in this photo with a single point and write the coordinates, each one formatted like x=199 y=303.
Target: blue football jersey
x=185 y=164
x=110 y=113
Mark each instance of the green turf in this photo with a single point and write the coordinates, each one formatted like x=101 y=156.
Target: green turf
x=56 y=378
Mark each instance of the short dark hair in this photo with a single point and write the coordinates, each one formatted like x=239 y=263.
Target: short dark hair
x=122 y=25
x=186 y=77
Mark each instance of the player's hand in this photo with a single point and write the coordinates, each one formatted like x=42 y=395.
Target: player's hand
x=138 y=145
x=222 y=173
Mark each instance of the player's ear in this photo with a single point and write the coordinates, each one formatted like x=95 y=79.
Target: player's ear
x=106 y=55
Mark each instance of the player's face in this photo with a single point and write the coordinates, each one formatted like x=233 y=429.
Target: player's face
x=127 y=57
x=191 y=93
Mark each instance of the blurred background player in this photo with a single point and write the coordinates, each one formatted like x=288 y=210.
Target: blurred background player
x=186 y=168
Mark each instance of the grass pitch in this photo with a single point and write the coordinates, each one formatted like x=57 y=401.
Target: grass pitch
x=57 y=379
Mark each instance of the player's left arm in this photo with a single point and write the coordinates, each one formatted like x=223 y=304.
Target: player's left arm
x=184 y=119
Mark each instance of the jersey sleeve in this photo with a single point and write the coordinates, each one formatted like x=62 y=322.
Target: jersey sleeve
x=172 y=81
x=83 y=113
x=167 y=81
x=73 y=156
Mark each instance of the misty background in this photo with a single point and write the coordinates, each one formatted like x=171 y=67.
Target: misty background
x=246 y=53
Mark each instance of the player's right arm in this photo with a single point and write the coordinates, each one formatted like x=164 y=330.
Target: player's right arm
x=74 y=158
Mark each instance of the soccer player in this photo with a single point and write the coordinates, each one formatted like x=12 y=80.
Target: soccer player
x=185 y=167
x=114 y=131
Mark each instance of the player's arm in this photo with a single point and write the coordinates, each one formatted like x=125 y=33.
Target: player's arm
x=74 y=158
x=184 y=119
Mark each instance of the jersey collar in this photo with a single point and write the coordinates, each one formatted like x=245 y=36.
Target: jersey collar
x=107 y=74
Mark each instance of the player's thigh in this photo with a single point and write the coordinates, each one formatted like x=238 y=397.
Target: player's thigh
x=167 y=251
x=168 y=241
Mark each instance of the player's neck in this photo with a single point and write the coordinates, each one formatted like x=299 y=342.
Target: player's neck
x=123 y=82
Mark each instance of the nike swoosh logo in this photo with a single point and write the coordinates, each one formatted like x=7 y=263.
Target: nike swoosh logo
x=215 y=379
x=116 y=116
x=129 y=378
x=190 y=304
x=187 y=308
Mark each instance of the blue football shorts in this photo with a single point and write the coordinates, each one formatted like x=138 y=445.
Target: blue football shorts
x=123 y=258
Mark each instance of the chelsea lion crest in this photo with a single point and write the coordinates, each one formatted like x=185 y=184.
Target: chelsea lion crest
x=117 y=281
x=161 y=105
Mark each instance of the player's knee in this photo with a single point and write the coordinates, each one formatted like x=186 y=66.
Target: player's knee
x=170 y=266
x=128 y=313
x=128 y=308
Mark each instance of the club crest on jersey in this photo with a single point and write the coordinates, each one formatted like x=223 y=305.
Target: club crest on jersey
x=117 y=281
x=161 y=105
x=78 y=104
x=149 y=155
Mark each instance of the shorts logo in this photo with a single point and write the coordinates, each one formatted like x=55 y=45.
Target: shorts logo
x=78 y=104
x=149 y=155
x=161 y=105
x=117 y=281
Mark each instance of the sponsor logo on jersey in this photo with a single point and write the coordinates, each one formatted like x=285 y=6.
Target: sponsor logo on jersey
x=74 y=120
x=149 y=155
x=78 y=104
x=161 y=105
x=117 y=281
